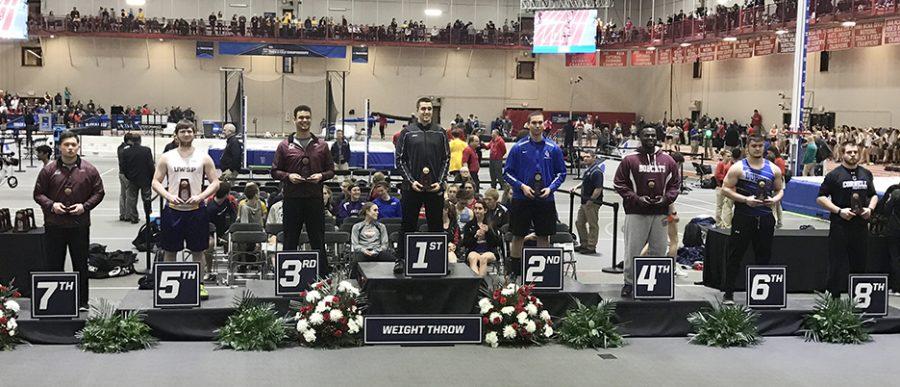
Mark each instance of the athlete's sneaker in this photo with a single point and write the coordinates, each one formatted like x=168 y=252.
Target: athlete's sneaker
x=210 y=278
x=399 y=266
x=627 y=291
x=728 y=298
x=204 y=294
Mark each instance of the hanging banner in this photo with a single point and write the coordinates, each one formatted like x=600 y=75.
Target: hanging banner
x=785 y=43
x=743 y=49
x=707 y=52
x=765 y=45
x=205 y=50
x=359 y=55
x=892 y=31
x=691 y=53
x=678 y=55
x=724 y=51
x=643 y=57
x=588 y=59
x=613 y=58
x=815 y=42
x=838 y=38
x=266 y=49
x=665 y=56
x=867 y=34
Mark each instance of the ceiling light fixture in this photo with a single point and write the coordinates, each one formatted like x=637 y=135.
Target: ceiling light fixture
x=135 y=3
x=433 y=12
x=781 y=32
x=849 y=24
x=685 y=44
x=729 y=39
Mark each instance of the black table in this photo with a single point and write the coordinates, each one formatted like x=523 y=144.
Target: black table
x=20 y=254
x=804 y=252
x=394 y=294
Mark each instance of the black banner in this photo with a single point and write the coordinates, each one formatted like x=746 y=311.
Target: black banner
x=422 y=330
x=205 y=50
x=360 y=54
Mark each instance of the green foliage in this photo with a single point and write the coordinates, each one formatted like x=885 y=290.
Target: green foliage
x=254 y=326
x=107 y=331
x=835 y=321
x=725 y=326
x=591 y=327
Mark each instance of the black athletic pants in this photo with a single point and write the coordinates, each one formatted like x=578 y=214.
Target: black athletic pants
x=846 y=253
x=411 y=204
x=76 y=240
x=747 y=230
x=311 y=213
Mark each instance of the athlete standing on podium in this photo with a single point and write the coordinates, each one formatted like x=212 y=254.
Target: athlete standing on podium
x=184 y=220
x=423 y=158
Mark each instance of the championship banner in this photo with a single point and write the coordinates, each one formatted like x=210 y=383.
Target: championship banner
x=743 y=49
x=588 y=59
x=786 y=43
x=765 y=45
x=867 y=34
x=892 y=31
x=616 y=58
x=643 y=57
x=815 y=42
x=678 y=55
x=268 y=49
x=359 y=55
x=690 y=54
x=838 y=38
x=707 y=52
x=665 y=56
x=422 y=330
x=205 y=50
x=724 y=51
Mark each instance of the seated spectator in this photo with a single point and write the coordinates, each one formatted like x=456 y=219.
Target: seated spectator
x=369 y=240
x=352 y=206
x=388 y=206
x=464 y=214
x=326 y=196
x=221 y=213
x=450 y=226
x=251 y=209
x=495 y=213
x=481 y=241
x=450 y=193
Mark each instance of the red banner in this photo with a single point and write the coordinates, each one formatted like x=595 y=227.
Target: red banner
x=614 y=58
x=678 y=55
x=867 y=34
x=892 y=31
x=786 y=43
x=816 y=40
x=725 y=50
x=665 y=56
x=691 y=53
x=581 y=60
x=744 y=48
x=765 y=45
x=707 y=52
x=643 y=57
x=839 y=38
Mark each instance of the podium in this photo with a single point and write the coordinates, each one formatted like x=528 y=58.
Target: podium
x=395 y=294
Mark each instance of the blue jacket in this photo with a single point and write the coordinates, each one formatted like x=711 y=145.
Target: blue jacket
x=388 y=208
x=526 y=158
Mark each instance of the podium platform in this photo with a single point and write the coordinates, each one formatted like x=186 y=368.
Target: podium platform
x=197 y=324
x=557 y=303
x=264 y=290
x=47 y=331
x=393 y=294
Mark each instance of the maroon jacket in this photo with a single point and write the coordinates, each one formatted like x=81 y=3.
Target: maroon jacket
x=84 y=186
x=288 y=160
x=634 y=174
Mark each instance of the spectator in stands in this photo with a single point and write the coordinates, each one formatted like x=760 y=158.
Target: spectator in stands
x=464 y=200
x=388 y=206
x=171 y=145
x=809 y=156
x=774 y=156
x=732 y=136
x=724 y=206
x=450 y=226
x=326 y=197
x=591 y=201
x=44 y=153
x=481 y=241
x=351 y=206
x=470 y=160
x=450 y=193
x=369 y=240
x=251 y=209
x=139 y=167
x=756 y=120
x=221 y=212
x=123 y=181
x=233 y=156
x=340 y=151
x=495 y=212
x=457 y=147
x=497 y=148
x=276 y=213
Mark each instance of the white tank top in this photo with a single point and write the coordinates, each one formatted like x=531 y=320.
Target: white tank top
x=184 y=177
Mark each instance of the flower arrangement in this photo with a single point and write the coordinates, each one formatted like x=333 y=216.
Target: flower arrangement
x=9 y=312
x=255 y=326
x=835 y=321
x=512 y=316
x=725 y=326
x=590 y=327
x=329 y=316
x=107 y=331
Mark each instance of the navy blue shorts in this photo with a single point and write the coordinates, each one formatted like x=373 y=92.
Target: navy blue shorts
x=184 y=228
x=527 y=215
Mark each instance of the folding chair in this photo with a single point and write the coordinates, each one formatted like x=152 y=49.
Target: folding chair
x=246 y=233
x=567 y=242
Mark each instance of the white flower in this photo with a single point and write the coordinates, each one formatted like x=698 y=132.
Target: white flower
x=336 y=315
x=495 y=316
x=353 y=309
x=313 y=296
x=310 y=336
x=512 y=286
x=548 y=331
x=594 y=332
x=530 y=327
x=508 y=310
x=531 y=309
x=12 y=333
x=492 y=339
x=302 y=325
x=522 y=317
x=12 y=305
x=347 y=287
x=509 y=332
x=359 y=320
x=11 y=324
x=328 y=299
x=352 y=327
x=316 y=319
x=320 y=307
x=545 y=315
x=485 y=305
x=508 y=292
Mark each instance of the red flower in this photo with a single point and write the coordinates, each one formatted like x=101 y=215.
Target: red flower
x=338 y=333
x=515 y=326
x=326 y=316
x=302 y=294
x=502 y=300
x=497 y=320
x=2 y=320
x=519 y=309
x=532 y=298
x=3 y=288
x=336 y=299
x=320 y=285
x=496 y=294
x=16 y=294
x=343 y=321
x=485 y=320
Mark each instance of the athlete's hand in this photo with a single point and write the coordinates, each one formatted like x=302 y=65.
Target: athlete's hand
x=866 y=213
x=59 y=209
x=645 y=200
x=434 y=187
x=768 y=202
x=544 y=193
x=314 y=178
x=529 y=193
x=754 y=202
x=295 y=178
x=418 y=187
x=174 y=199
x=846 y=214
x=76 y=209
x=196 y=199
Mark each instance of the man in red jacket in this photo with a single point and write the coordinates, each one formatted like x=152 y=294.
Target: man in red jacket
x=471 y=161
x=648 y=181
x=497 y=147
